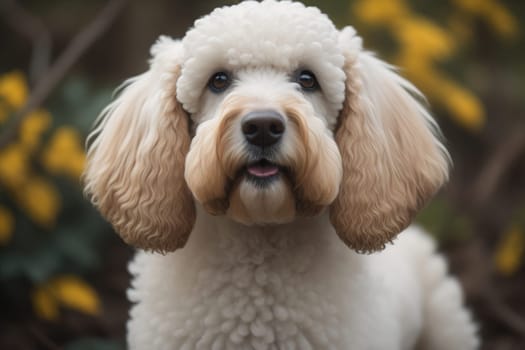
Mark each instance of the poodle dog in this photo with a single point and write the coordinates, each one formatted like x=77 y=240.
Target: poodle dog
x=240 y=163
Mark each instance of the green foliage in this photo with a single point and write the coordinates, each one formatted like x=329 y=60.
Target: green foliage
x=74 y=246
x=445 y=222
x=79 y=102
x=70 y=240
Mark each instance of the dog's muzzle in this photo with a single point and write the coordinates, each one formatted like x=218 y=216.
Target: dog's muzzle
x=262 y=130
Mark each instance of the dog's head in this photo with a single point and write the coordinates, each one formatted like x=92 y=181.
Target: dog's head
x=264 y=112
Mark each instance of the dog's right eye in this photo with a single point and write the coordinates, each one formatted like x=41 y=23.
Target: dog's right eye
x=307 y=81
x=219 y=82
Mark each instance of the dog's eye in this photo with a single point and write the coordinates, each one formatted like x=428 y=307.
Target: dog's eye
x=307 y=80
x=219 y=82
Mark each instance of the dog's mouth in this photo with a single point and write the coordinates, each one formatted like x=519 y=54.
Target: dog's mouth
x=263 y=171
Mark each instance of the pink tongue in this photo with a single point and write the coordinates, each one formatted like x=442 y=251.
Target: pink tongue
x=263 y=170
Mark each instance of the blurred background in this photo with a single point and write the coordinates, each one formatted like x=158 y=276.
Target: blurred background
x=63 y=271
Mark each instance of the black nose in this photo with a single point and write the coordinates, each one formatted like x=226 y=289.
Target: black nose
x=263 y=128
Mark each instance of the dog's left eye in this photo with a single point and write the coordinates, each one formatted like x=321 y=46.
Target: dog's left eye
x=219 y=82
x=307 y=80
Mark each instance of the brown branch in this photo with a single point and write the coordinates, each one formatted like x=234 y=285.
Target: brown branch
x=43 y=339
x=481 y=287
x=24 y=23
x=497 y=167
x=77 y=47
x=504 y=313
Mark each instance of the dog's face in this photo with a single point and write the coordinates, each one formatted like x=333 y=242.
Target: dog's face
x=262 y=151
x=264 y=112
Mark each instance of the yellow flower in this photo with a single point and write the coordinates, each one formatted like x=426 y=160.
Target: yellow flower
x=7 y=223
x=32 y=128
x=465 y=108
x=495 y=14
x=422 y=43
x=40 y=200
x=502 y=21
x=4 y=112
x=13 y=88
x=14 y=166
x=380 y=11
x=73 y=292
x=68 y=291
x=44 y=303
x=65 y=154
x=510 y=251
x=422 y=38
x=77 y=164
x=473 y=6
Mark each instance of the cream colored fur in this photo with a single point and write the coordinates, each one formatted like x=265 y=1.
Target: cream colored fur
x=264 y=266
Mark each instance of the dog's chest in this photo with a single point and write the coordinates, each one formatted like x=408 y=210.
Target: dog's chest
x=282 y=294
x=262 y=301
x=249 y=297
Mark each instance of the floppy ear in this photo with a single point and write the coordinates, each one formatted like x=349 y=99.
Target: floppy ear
x=135 y=161
x=393 y=161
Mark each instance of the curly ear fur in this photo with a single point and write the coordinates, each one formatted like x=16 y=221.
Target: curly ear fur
x=393 y=161
x=135 y=169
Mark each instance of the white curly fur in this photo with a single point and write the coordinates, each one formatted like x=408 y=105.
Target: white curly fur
x=263 y=265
